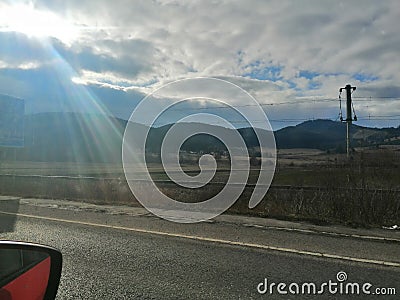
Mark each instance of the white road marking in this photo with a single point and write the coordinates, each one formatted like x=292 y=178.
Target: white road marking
x=358 y=236
x=214 y=240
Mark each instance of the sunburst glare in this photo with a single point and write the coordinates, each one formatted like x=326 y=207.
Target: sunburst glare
x=36 y=23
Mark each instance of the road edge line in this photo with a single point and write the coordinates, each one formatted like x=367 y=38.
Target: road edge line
x=213 y=240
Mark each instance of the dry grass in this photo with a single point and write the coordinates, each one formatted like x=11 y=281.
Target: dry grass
x=364 y=191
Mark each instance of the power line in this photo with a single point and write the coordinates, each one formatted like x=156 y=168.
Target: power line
x=309 y=101
x=370 y=97
x=369 y=117
x=294 y=102
x=375 y=99
x=303 y=100
x=382 y=116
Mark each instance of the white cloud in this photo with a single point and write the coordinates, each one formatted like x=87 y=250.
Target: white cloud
x=22 y=66
x=207 y=36
x=147 y=43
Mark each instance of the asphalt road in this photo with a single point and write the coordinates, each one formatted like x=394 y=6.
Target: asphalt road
x=105 y=262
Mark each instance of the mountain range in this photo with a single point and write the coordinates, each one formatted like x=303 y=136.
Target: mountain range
x=93 y=138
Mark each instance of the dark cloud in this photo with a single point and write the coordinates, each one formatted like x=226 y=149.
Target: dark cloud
x=17 y=48
x=128 y=64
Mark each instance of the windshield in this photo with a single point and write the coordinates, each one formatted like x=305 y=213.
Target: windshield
x=204 y=149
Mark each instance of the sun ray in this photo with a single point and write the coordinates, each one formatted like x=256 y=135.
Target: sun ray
x=36 y=23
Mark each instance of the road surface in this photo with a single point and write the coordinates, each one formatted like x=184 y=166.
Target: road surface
x=110 y=255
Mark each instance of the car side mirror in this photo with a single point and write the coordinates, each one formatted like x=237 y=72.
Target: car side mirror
x=29 y=271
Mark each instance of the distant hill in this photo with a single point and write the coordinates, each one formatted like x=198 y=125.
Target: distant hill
x=327 y=134
x=78 y=137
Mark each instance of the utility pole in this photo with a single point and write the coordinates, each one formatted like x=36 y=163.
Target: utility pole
x=349 y=118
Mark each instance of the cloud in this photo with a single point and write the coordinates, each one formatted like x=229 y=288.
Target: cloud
x=17 y=49
x=111 y=61
x=207 y=36
x=289 y=49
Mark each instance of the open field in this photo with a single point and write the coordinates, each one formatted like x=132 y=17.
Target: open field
x=308 y=185
x=61 y=168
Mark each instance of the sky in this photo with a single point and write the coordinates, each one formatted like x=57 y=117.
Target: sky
x=291 y=56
